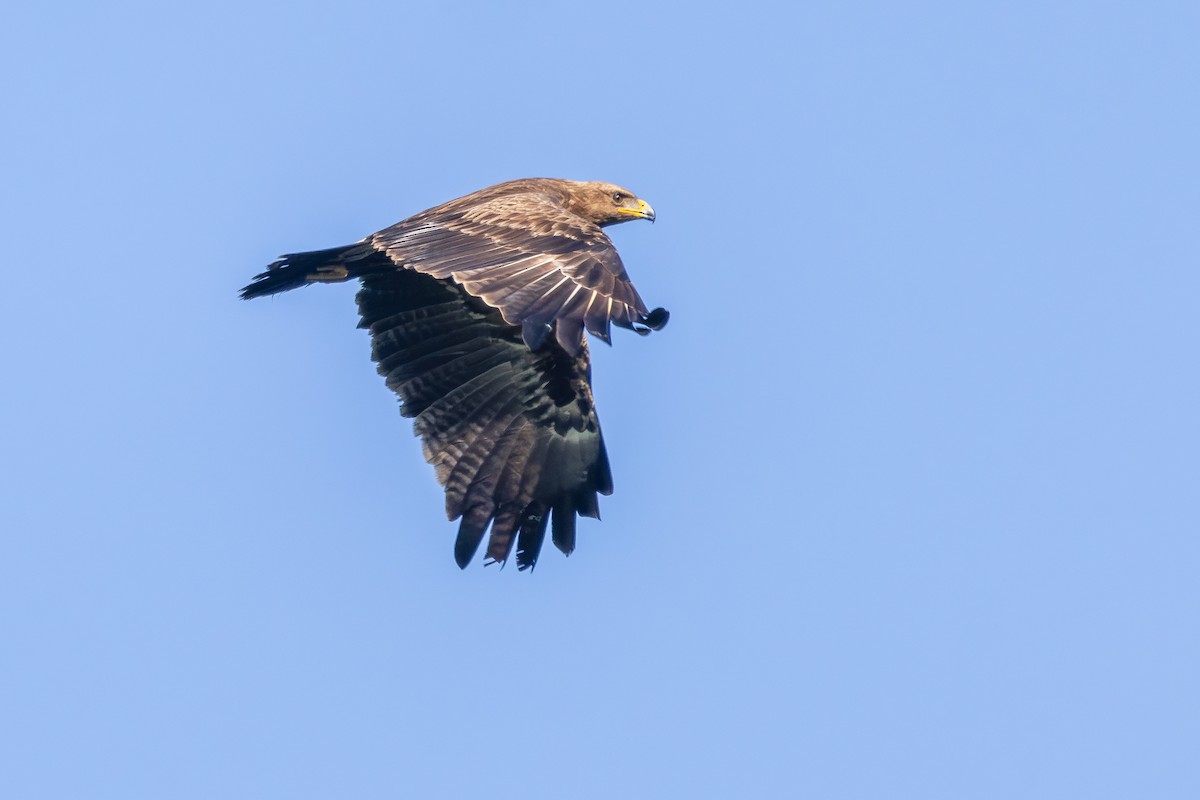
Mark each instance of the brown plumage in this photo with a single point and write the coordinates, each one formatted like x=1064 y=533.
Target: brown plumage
x=476 y=310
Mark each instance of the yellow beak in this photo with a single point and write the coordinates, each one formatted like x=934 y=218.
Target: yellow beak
x=643 y=211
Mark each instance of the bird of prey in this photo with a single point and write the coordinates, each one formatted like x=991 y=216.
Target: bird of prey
x=477 y=310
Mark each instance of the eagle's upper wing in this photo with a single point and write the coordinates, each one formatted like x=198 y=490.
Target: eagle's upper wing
x=529 y=257
x=512 y=433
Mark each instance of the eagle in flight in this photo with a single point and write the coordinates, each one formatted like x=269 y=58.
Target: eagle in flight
x=477 y=310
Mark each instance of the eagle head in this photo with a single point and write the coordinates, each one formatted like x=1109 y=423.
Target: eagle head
x=608 y=204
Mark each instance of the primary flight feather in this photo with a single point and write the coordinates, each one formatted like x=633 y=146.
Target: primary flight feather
x=477 y=310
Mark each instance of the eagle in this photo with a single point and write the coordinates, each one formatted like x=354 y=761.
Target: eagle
x=477 y=310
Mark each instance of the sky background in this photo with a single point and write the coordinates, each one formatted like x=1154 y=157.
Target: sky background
x=906 y=494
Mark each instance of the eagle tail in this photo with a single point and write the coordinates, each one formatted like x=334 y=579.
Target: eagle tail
x=317 y=266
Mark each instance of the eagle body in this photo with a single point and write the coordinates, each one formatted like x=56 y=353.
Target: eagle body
x=477 y=310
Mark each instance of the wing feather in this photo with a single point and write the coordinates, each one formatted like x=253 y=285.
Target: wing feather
x=511 y=432
x=524 y=254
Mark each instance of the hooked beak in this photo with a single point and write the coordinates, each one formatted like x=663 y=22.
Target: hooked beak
x=643 y=211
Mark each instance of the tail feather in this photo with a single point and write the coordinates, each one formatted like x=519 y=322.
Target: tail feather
x=317 y=266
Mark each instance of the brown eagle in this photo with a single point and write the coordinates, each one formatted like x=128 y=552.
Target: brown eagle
x=476 y=310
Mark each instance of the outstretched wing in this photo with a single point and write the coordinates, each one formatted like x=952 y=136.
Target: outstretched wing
x=524 y=254
x=512 y=433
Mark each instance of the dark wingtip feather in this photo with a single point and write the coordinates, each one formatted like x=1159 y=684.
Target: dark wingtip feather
x=601 y=473
x=531 y=537
x=657 y=319
x=502 y=537
x=564 y=527
x=470 y=534
x=587 y=505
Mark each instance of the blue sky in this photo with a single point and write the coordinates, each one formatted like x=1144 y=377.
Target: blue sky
x=906 y=493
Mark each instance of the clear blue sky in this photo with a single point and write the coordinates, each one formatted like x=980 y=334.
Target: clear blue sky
x=907 y=492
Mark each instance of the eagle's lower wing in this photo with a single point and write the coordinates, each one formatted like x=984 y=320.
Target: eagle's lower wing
x=512 y=433
x=531 y=259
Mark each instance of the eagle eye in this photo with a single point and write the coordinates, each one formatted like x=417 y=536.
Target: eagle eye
x=618 y=197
